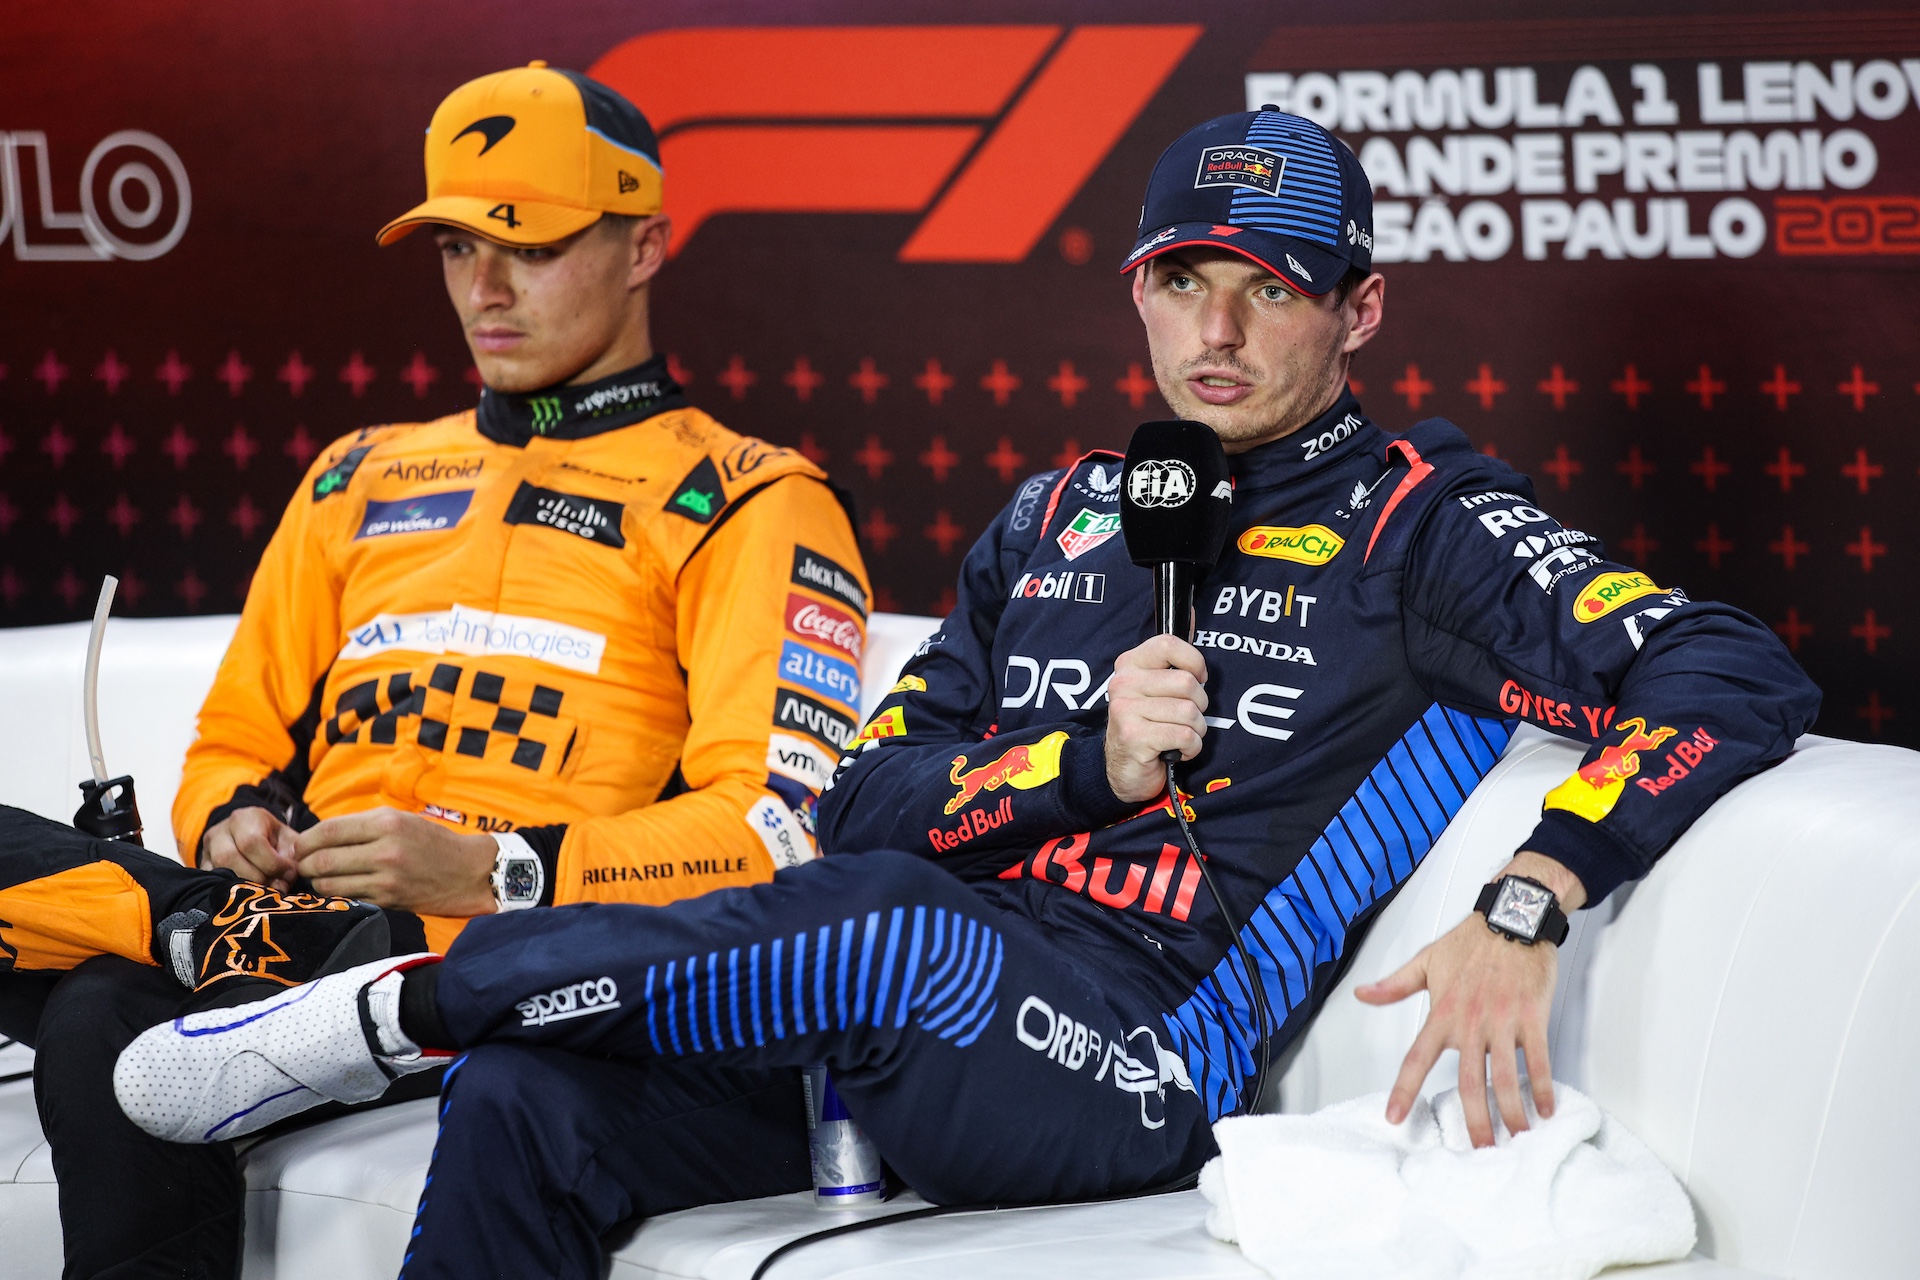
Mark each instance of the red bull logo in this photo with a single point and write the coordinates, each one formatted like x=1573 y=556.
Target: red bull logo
x=1022 y=768
x=1681 y=761
x=1595 y=789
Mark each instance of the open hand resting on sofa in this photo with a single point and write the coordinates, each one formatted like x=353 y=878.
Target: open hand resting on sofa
x=1492 y=996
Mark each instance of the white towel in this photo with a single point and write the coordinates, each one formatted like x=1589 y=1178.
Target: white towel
x=1343 y=1195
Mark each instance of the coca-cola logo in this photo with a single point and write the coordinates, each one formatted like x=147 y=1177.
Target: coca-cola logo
x=811 y=620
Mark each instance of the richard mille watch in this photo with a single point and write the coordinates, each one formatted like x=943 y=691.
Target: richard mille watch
x=1524 y=910
x=519 y=877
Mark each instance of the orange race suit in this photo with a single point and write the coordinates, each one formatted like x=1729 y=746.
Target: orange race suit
x=594 y=616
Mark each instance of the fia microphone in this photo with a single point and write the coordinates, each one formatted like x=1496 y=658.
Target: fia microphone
x=1176 y=506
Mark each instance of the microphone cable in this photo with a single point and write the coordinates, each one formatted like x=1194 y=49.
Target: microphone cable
x=1256 y=988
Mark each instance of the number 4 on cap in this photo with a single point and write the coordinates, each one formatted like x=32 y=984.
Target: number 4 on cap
x=504 y=212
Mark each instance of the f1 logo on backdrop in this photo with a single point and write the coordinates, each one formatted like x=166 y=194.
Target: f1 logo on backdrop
x=988 y=130
x=134 y=225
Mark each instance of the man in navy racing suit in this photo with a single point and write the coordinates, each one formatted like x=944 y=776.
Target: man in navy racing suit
x=1033 y=997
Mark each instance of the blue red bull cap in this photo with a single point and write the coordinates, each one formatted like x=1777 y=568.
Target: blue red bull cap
x=1269 y=186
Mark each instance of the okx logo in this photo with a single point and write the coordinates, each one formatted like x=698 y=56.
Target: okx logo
x=988 y=130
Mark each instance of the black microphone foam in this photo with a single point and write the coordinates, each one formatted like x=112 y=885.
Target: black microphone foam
x=1176 y=501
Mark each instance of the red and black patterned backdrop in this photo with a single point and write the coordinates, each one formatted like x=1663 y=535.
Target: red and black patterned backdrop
x=1664 y=262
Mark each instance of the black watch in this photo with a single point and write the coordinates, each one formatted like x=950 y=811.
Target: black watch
x=1524 y=910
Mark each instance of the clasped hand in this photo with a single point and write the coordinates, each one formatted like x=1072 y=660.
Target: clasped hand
x=384 y=856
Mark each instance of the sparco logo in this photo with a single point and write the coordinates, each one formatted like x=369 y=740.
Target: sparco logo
x=1160 y=483
x=577 y=1000
x=593 y=519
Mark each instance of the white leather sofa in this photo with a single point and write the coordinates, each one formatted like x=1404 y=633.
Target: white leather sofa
x=1751 y=1010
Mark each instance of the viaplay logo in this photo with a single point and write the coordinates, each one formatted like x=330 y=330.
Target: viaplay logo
x=987 y=130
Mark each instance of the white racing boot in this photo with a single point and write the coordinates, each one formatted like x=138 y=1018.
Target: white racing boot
x=223 y=1073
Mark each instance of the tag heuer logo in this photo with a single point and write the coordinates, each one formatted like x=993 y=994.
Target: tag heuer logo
x=1086 y=531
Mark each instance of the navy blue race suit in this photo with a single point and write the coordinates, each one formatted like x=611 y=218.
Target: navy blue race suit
x=1038 y=999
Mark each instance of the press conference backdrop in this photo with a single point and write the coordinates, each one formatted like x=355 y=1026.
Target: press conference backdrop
x=1664 y=263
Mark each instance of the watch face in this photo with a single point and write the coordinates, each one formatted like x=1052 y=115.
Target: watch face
x=518 y=883
x=1520 y=907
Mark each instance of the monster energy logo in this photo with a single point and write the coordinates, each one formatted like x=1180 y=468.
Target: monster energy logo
x=701 y=504
x=546 y=413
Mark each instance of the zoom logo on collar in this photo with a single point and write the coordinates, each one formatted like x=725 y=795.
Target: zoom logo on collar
x=594 y=519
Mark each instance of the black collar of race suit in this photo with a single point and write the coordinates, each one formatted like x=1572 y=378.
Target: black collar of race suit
x=1334 y=436
x=585 y=409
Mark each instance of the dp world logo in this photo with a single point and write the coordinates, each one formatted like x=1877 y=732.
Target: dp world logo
x=135 y=200
x=986 y=130
x=1157 y=483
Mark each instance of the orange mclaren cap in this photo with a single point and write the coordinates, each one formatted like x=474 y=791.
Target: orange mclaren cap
x=532 y=155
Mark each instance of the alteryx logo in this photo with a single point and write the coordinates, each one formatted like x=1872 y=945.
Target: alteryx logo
x=816 y=671
x=428 y=513
x=990 y=133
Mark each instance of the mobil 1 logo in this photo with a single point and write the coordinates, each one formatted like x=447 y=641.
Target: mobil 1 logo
x=1069 y=584
x=798 y=712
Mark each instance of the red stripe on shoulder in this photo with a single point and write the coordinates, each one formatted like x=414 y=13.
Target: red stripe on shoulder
x=1418 y=469
x=1060 y=486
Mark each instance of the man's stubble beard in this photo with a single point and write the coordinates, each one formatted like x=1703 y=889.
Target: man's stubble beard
x=1315 y=382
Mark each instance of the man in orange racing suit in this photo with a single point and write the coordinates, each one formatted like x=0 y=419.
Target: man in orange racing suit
x=582 y=643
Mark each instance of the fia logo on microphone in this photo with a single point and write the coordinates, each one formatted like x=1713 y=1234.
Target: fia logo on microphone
x=1160 y=483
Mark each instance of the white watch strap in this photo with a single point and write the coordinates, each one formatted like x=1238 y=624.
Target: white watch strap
x=512 y=845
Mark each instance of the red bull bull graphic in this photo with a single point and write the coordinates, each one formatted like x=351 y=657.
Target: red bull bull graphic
x=1022 y=768
x=1593 y=791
